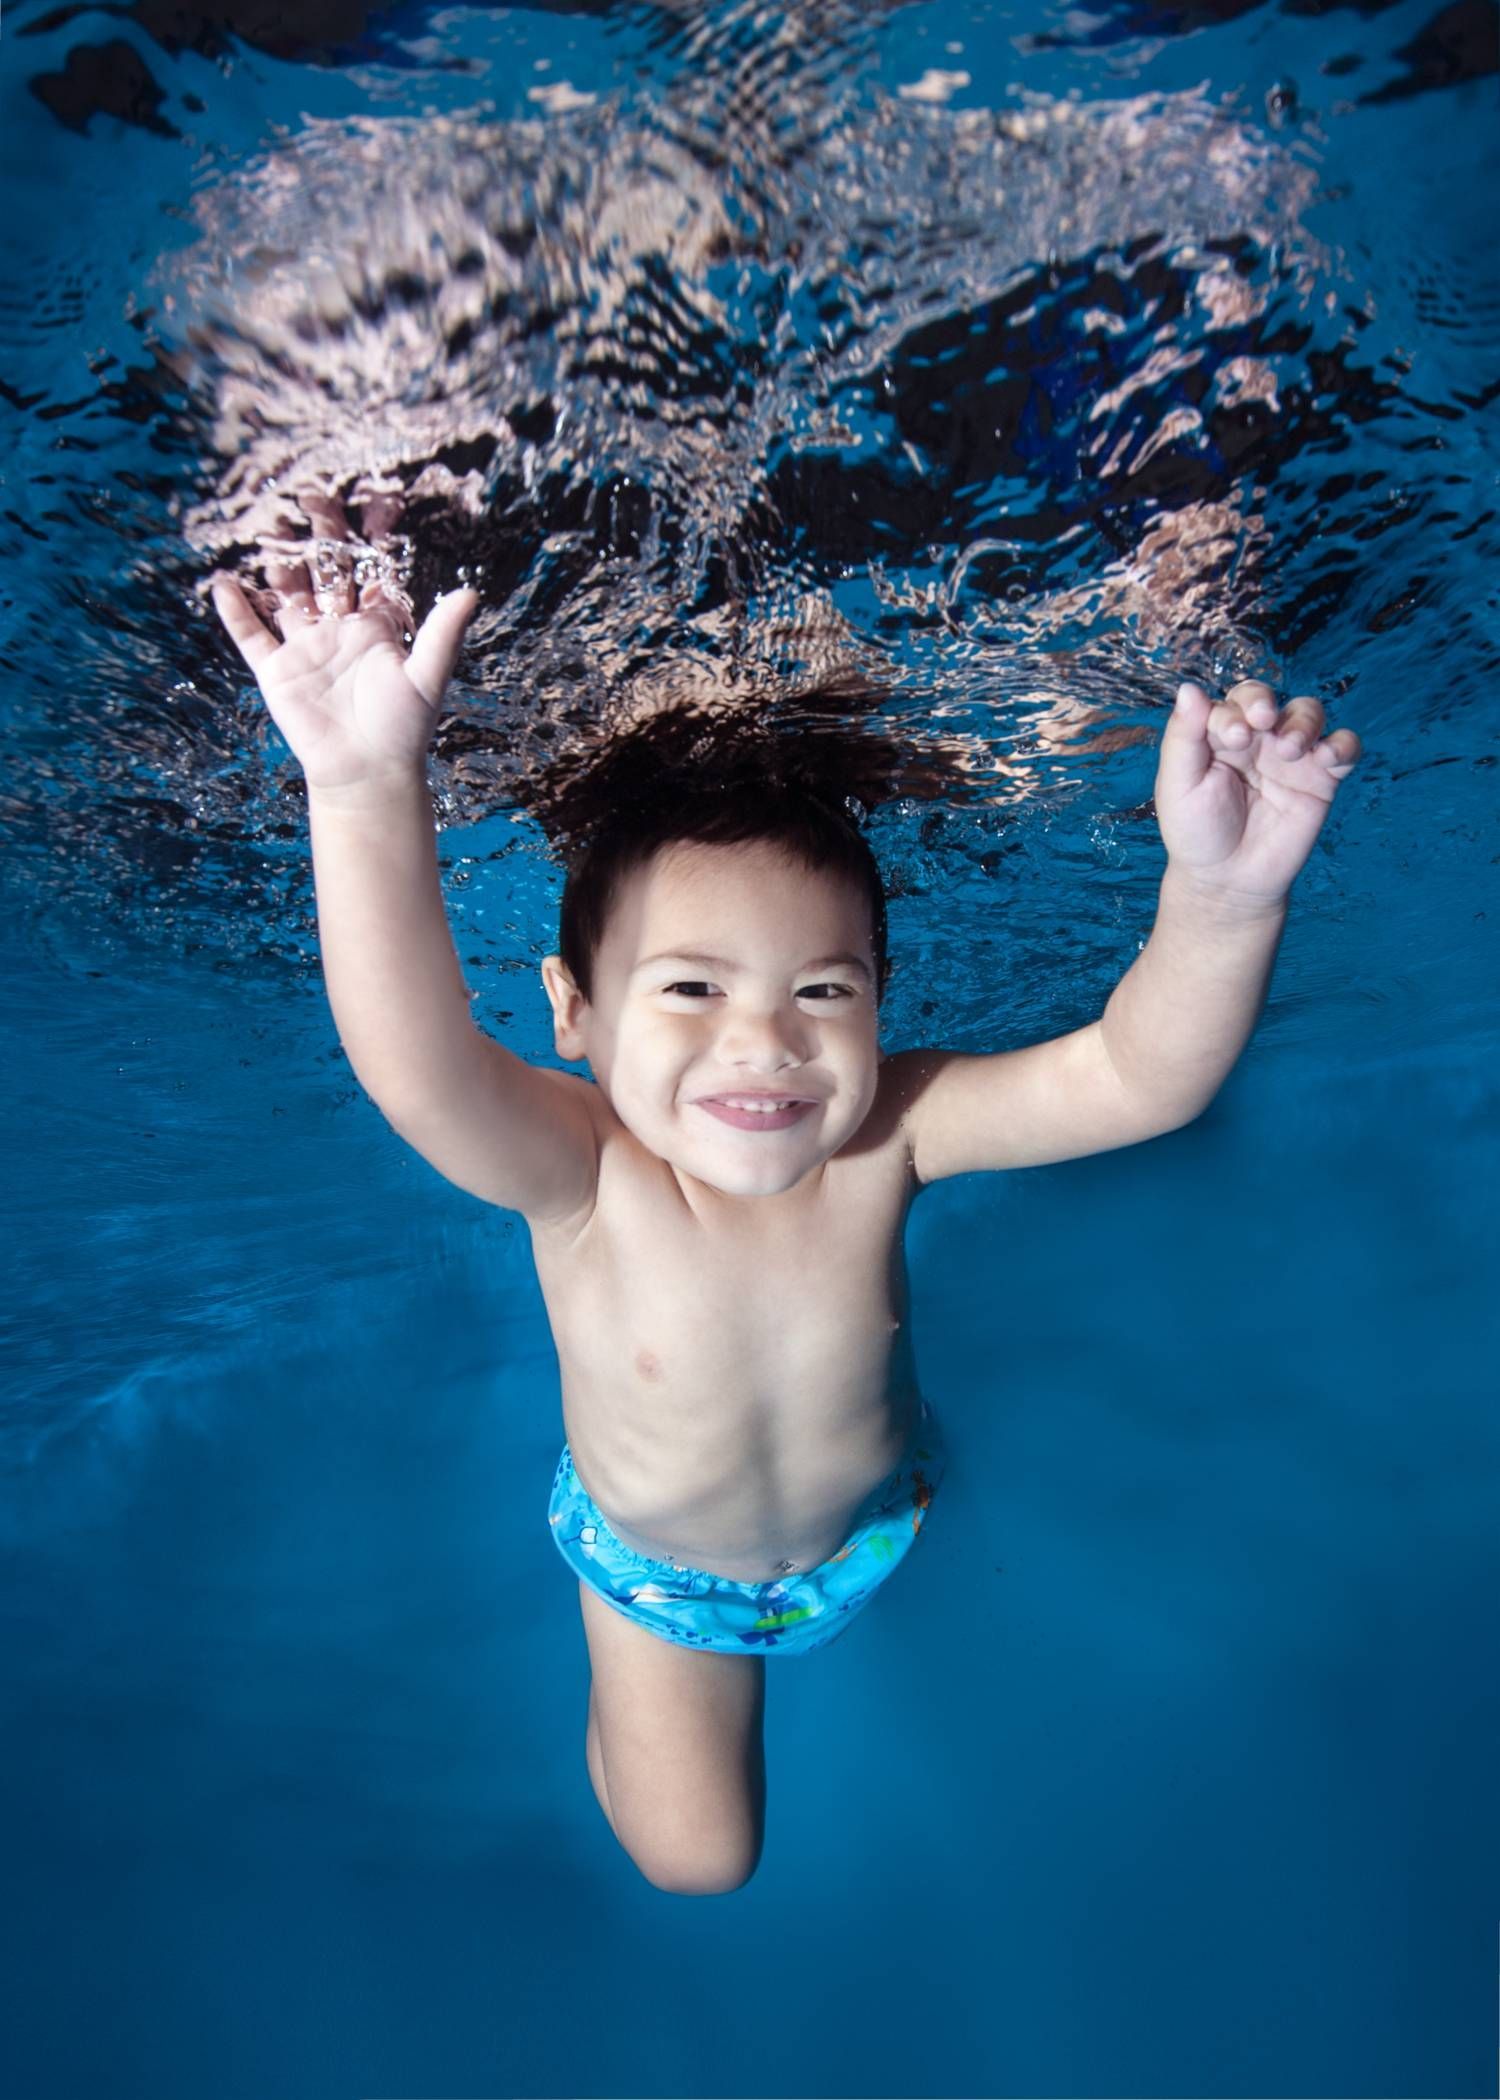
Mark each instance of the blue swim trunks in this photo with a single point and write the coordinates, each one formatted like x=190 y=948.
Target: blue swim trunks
x=791 y=1616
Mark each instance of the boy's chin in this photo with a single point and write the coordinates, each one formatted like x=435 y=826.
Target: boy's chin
x=746 y=1171
x=743 y=1164
x=749 y=1180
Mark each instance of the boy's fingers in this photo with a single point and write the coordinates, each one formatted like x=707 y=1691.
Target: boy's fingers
x=254 y=642
x=435 y=650
x=1299 y=726
x=338 y=594
x=292 y=587
x=376 y=600
x=1254 y=700
x=1340 y=752
x=1227 y=718
x=1185 y=752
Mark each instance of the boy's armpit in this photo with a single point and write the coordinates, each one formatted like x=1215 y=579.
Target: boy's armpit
x=1061 y=1099
x=511 y=1133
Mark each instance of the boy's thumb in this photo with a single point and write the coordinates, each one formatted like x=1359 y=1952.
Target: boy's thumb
x=438 y=640
x=1185 y=755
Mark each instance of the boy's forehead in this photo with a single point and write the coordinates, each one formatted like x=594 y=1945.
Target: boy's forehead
x=689 y=892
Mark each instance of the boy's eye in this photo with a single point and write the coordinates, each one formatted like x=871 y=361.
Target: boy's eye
x=699 y=988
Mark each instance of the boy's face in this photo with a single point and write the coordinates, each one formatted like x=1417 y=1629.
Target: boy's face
x=728 y=976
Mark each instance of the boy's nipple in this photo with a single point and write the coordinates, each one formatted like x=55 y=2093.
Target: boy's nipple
x=648 y=1365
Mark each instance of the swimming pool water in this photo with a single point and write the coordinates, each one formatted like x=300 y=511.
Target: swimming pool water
x=1032 y=359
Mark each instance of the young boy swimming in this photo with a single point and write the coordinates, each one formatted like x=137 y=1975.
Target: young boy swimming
x=717 y=1218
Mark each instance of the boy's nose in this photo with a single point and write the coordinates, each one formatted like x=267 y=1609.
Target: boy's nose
x=764 y=1043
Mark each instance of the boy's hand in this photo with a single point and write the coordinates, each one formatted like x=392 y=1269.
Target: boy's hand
x=1242 y=789
x=356 y=709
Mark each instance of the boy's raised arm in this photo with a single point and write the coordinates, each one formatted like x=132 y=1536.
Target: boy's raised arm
x=359 y=713
x=496 y=1126
x=1242 y=790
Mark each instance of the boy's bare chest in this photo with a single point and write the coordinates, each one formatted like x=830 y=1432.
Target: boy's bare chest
x=747 y=1299
x=733 y=1377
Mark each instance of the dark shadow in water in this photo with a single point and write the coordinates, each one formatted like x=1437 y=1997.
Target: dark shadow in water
x=1458 y=43
x=957 y=433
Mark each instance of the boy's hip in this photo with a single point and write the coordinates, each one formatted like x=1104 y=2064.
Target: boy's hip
x=788 y=1616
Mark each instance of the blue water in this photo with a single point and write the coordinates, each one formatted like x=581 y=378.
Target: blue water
x=1166 y=1764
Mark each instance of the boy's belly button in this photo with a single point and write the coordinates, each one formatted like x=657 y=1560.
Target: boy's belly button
x=733 y=1567
x=783 y=1567
x=791 y=1554
x=795 y=1551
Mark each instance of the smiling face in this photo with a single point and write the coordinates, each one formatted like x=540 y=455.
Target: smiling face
x=732 y=1023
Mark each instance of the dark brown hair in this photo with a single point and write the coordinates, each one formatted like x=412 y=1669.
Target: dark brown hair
x=677 y=779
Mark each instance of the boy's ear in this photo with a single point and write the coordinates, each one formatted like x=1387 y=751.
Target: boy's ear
x=568 y=1004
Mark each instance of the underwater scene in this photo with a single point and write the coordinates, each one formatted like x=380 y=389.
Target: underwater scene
x=910 y=395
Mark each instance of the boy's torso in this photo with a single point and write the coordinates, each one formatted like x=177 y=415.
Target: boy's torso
x=737 y=1374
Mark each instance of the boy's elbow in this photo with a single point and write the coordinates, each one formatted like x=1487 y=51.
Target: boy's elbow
x=1159 y=1114
x=1189 y=1110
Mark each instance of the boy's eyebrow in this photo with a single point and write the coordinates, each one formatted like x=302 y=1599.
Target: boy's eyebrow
x=722 y=962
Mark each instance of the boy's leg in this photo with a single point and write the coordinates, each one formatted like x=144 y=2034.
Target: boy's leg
x=596 y=1762
x=681 y=1748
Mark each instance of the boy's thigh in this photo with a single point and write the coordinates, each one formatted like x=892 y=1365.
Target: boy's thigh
x=681 y=1731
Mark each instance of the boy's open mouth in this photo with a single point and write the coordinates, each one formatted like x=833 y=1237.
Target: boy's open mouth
x=756 y=1111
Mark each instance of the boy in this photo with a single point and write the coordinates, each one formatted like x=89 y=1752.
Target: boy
x=717 y=1218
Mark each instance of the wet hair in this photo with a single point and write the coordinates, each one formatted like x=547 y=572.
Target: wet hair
x=646 y=795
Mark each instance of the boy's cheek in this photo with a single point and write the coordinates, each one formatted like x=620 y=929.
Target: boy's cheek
x=863 y=1076
x=865 y=1103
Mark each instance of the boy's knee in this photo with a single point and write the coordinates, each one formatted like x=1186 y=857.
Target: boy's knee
x=711 y=1858
x=699 y=1877
x=675 y=1869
